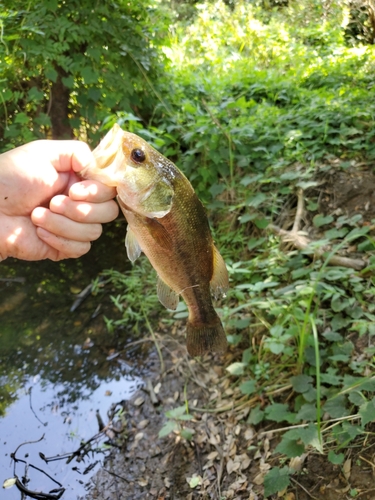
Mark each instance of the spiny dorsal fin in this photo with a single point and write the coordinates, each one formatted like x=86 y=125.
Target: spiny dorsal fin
x=220 y=281
x=167 y=296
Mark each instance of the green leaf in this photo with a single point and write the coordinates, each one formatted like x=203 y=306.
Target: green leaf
x=279 y=413
x=310 y=437
x=185 y=417
x=68 y=81
x=256 y=200
x=276 y=347
x=187 y=434
x=255 y=242
x=320 y=220
x=94 y=94
x=261 y=223
x=247 y=218
x=301 y=383
x=168 y=428
x=356 y=397
x=307 y=412
x=339 y=303
x=89 y=75
x=336 y=407
x=290 y=448
x=176 y=412
x=21 y=118
x=367 y=412
x=6 y=94
x=248 y=387
x=51 y=74
x=35 y=94
x=336 y=459
x=276 y=480
x=256 y=415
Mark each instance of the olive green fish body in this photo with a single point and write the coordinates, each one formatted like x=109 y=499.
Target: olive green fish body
x=168 y=223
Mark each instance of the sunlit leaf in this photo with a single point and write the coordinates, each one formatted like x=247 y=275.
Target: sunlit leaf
x=236 y=368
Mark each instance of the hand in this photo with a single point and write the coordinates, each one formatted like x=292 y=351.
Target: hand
x=46 y=210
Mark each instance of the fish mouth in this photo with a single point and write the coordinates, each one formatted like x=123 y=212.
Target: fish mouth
x=108 y=157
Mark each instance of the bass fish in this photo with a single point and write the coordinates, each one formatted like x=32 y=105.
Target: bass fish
x=168 y=223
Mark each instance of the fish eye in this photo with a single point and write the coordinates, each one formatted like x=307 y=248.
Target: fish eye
x=138 y=155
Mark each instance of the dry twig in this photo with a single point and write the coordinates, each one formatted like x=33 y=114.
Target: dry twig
x=302 y=242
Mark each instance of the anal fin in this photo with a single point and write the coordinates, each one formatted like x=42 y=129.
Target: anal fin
x=167 y=296
x=220 y=281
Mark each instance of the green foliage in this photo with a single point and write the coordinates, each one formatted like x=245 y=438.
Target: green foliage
x=136 y=298
x=66 y=66
x=276 y=480
x=174 y=423
x=262 y=103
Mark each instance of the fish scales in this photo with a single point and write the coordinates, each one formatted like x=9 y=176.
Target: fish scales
x=168 y=223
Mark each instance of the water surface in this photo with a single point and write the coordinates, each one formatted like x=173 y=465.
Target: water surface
x=59 y=368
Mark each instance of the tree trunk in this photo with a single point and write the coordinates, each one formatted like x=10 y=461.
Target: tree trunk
x=59 y=108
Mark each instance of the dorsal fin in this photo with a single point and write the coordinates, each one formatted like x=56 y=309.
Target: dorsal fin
x=220 y=281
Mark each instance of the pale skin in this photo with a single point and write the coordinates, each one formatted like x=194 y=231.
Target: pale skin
x=46 y=210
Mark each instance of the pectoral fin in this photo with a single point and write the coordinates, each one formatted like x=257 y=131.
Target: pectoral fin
x=152 y=226
x=159 y=233
x=219 y=281
x=133 y=248
x=167 y=296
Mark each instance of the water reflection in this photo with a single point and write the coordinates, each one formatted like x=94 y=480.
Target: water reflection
x=56 y=367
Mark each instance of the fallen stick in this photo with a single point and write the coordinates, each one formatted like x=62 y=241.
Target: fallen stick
x=302 y=243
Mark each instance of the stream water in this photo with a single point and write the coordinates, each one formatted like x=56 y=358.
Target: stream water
x=59 y=369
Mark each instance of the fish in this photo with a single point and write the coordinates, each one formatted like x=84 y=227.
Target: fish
x=168 y=223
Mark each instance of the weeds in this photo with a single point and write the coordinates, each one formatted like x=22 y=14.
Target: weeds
x=261 y=118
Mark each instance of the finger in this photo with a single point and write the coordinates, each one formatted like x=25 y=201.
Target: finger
x=72 y=155
x=93 y=191
x=61 y=248
x=64 y=155
x=60 y=225
x=84 y=212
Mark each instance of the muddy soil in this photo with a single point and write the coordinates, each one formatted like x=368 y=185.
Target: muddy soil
x=226 y=458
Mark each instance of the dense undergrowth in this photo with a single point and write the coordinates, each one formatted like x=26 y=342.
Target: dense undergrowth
x=257 y=107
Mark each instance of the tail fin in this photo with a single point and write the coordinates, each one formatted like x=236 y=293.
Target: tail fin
x=202 y=338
